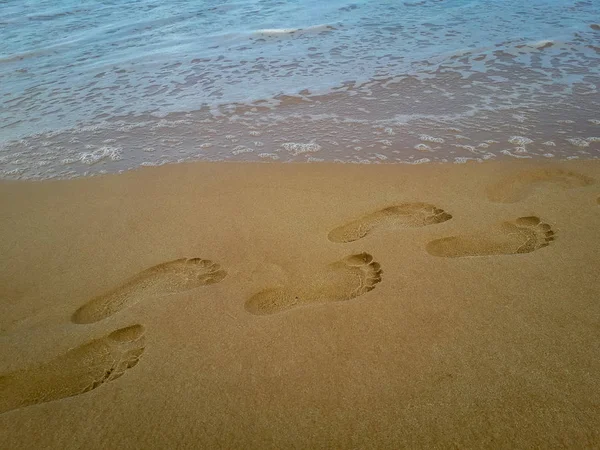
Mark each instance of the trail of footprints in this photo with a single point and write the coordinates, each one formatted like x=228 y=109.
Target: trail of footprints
x=168 y=278
x=517 y=187
x=342 y=280
x=402 y=215
x=103 y=360
x=107 y=358
x=523 y=235
x=79 y=370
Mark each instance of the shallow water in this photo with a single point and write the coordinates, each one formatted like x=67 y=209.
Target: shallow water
x=102 y=86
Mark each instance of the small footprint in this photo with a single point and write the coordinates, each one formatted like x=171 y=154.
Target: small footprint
x=77 y=371
x=524 y=235
x=339 y=281
x=403 y=215
x=517 y=187
x=167 y=278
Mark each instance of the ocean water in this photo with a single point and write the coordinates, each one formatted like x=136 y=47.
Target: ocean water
x=93 y=86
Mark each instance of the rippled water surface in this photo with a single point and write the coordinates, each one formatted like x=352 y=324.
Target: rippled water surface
x=102 y=86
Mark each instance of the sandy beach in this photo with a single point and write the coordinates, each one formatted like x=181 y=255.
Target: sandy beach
x=257 y=306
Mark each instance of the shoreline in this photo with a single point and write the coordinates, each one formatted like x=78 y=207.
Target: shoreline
x=373 y=162
x=339 y=305
x=402 y=119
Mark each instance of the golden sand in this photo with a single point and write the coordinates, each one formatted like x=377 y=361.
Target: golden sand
x=303 y=306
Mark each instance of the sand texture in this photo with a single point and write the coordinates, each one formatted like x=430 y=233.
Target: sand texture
x=280 y=306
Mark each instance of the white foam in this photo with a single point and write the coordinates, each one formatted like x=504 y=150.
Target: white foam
x=280 y=32
x=427 y=138
x=113 y=153
x=423 y=148
x=12 y=172
x=509 y=153
x=238 y=150
x=464 y=159
x=273 y=156
x=298 y=148
x=520 y=140
x=578 y=142
x=542 y=43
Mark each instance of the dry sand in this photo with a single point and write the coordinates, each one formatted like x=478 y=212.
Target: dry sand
x=303 y=306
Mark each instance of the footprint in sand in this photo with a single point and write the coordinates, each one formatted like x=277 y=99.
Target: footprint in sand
x=77 y=371
x=524 y=235
x=517 y=187
x=339 y=281
x=167 y=278
x=402 y=215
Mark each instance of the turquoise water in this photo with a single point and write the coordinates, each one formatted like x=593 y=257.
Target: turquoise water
x=92 y=86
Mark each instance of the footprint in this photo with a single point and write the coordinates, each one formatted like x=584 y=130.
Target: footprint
x=402 y=215
x=524 y=235
x=339 y=281
x=517 y=187
x=167 y=278
x=77 y=371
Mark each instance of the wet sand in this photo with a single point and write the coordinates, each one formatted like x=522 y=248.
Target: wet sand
x=215 y=305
